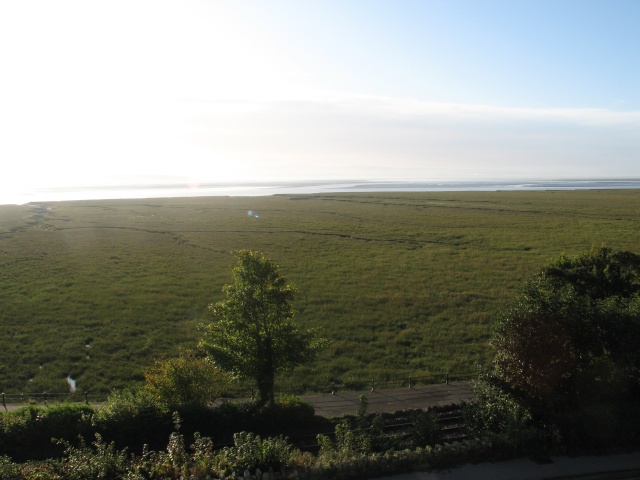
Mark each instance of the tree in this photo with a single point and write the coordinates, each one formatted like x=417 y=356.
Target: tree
x=567 y=347
x=186 y=380
x=253 y=335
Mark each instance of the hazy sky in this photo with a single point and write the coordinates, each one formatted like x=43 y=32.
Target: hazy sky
x=205 y=90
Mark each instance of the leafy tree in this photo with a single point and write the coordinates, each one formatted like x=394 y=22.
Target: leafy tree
x=186 y=380
x=253 y=334
x=567 y=346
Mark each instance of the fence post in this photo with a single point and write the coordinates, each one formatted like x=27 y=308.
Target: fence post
x=373 y=384
x=86 y=397
x=409 y=381
x=4 y=404
x=446 y=378
x=333 y=388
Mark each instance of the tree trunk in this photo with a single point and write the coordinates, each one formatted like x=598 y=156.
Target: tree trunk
x=266 y=378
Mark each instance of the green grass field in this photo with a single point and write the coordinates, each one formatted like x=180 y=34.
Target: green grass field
x=403 y=283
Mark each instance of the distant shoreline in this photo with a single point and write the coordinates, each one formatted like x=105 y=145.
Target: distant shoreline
x=122 y=192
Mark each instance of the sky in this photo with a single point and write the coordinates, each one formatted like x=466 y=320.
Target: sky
x=151 y=91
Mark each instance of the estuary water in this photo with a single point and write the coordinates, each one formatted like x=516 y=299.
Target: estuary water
x=105 y=192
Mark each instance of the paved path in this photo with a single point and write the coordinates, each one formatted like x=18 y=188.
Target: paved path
x=390 y=400
x=386 y=400
x=608 y=467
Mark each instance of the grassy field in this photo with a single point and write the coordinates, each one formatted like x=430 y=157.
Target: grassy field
x=403 y=283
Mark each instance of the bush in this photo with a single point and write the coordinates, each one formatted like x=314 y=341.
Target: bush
x=495 y=411
x=102 y=462
x=8 y=469
x=288 y=414
x=425 y=429
x=186 y=380
x=26 y=433
x=250 y=452
x=133 y=418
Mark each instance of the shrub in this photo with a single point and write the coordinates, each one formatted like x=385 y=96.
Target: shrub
x=351 y=441
x=8 y=469
x=186 y=380
x=287 y=416
x=150 y=465
x=102 y=461
x=26 y=433
x=132 y=418
x=250 y=452
x=495 y=411
x=289 y=413
x=425 y=429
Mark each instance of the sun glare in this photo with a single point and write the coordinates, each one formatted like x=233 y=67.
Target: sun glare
x=129 y=104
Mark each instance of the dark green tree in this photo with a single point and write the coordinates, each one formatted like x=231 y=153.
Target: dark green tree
x=253 y=334
x=567 y=347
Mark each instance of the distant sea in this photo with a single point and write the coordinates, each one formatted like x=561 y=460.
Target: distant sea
x=279 y=188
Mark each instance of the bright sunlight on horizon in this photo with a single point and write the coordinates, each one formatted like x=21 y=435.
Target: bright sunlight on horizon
x=141 y=91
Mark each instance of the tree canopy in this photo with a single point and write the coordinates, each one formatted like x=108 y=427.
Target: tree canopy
x=253 y=334
x=568 y=345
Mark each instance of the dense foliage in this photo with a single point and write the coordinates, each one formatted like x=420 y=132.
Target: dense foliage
x=27 y=433
x=186 y=380
x=102 y=461
x=361 y=447
x=567 y=348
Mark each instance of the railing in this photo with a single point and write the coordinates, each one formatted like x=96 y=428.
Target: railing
x=95 y=398
x=356 y=385
x=46 y=398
